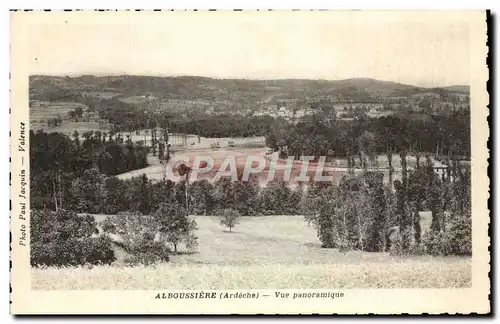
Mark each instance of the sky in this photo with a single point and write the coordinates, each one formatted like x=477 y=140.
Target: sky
x=426 y=49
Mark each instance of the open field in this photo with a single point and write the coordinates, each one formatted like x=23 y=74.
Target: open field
x=69 y=127
x=48 y=110
x=264 y=252
x=337 y=168
x=101 y=94
x=156 y=171
x=191 y=142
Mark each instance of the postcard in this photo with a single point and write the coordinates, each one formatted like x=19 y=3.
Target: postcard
x=249 y=162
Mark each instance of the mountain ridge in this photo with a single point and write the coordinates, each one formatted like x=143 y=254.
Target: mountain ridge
x=246 y=90
x=454 y=87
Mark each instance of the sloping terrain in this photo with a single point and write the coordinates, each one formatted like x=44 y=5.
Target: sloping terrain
x=221 y=90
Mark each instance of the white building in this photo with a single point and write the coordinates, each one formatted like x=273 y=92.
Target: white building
x=284 y=112
x=300 y=113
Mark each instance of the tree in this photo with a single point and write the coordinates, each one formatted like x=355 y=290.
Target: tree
x=433 y=194
x=453 y=233
x=406 y=227
x=72 y=114
x=273 y=198
x=391 y=169
x=175 y=224
x=222 y=194
x=200 y=195
x=161 y=149
x=376 y=211
x=327 y=230
x=144 y=194
x=230 y=218
x=366 y=147
x=185 y=171
x=76 y=113
x=319 y=206
x=138 y=235
x=153 y=140
x=422 y=191
x=115 y=196
x=294 y=200
x=89 y=191
x=362 y=204
x=62 y=238
x=244 y=197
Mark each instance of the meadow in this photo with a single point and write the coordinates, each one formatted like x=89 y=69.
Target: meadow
x=48 y=109
x=263 y=252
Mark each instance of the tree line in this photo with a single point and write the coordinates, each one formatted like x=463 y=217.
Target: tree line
x=151 y=217
x=223 y=126
x=368 y=137
x=363 y=213
x=96 y=193
x=62 y=168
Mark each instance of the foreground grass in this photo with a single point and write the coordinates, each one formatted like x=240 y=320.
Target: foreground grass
x=409 y=274
x=264 y=252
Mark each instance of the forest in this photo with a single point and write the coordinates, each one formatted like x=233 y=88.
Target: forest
x=59 y=164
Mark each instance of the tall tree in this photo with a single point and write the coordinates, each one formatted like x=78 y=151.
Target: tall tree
x=405 y=223
x=175 y=224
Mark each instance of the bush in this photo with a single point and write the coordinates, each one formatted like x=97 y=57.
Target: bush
x=396 y=244
x=138 y=236
x=62 y=238
x=147 y=251
x=456 y=239
x=460 y=235
x=437 y=243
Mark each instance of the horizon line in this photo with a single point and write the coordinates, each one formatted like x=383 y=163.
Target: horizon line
x=99 y=75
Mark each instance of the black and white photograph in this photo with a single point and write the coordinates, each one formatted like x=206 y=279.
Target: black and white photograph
x=251 y=156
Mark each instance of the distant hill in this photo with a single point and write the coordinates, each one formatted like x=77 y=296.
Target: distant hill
x=458 y=88
x=222 y=90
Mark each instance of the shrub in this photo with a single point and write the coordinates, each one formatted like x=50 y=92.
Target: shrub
x=460 y=235
x=139 y=236
x=97 y=250
x=437 y=243
x=456 y=239
x=191 y=242
x=147 y=251
x=396 y=246
x=63 y=238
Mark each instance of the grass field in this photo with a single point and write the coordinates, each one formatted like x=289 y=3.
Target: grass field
x=264 y=252
x=69 y=127
x=48 y=110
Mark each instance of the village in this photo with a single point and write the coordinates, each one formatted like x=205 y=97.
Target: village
x=347 y=109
